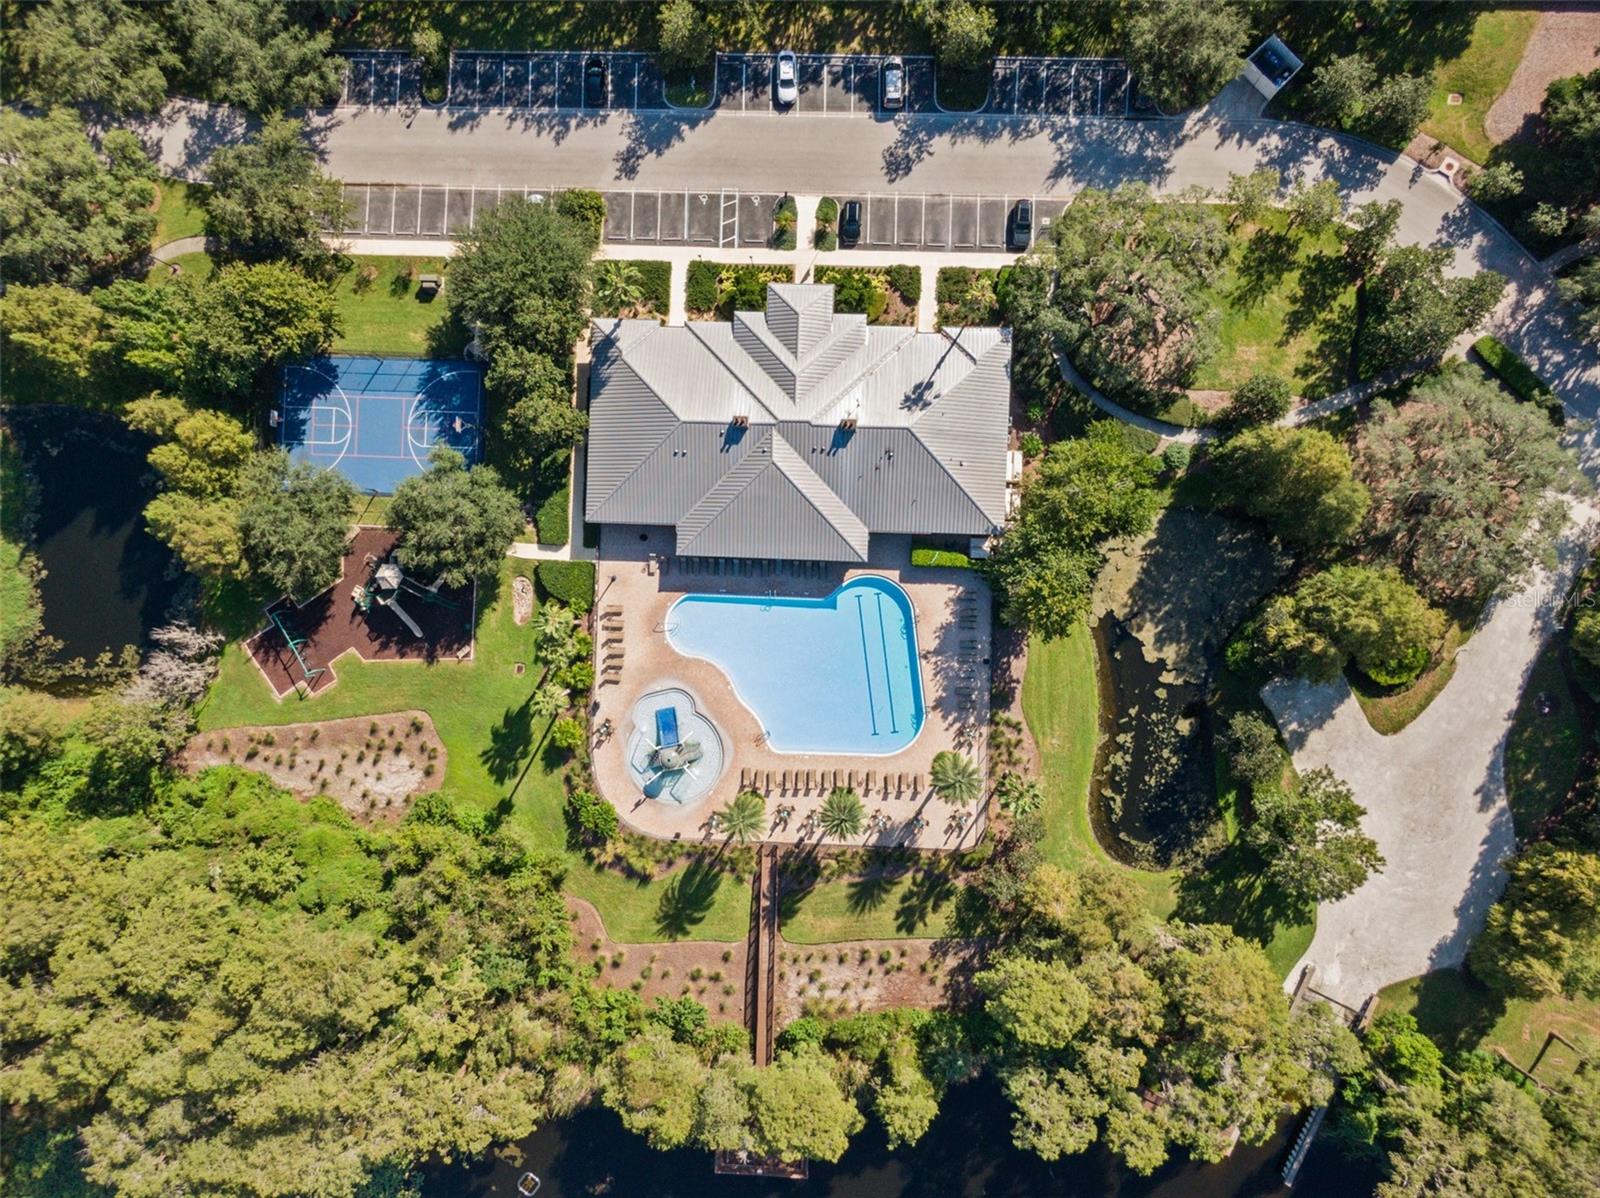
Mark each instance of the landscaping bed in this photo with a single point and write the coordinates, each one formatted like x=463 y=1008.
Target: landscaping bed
x=1389 y=709
x=370 y=765
x=967 y=295
x=869 y=975
x=884 y=294
x=716 y=290
x=633 y=287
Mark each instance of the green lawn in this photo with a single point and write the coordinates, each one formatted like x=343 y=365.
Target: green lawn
x=495 y=757
x=916 y=904
x=198 y=264
x=177 y=213
x=378 y=304
x=1272 y=320
x=1459 y=1013
x=1478 y=74
x=1543 y=752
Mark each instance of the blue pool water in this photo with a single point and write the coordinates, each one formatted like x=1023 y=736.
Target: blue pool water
x=833 y=675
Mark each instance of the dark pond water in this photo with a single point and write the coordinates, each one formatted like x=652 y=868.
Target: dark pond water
x=967 y=1153
x=1154 y=789
x=107 y=581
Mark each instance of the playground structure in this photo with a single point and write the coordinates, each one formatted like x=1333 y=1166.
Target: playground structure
x=674 y=753
x=387 y=583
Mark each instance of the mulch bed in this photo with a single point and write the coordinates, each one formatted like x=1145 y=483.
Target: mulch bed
x=332 y=624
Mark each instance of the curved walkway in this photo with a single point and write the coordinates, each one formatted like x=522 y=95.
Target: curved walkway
x=1444 y=773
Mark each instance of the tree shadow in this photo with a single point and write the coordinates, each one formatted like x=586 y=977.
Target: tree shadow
x=510 y=742
x=1265 y=259
x=686 y=899
x=1230 y=890
x=868 y=891
x=801 y=870
x=928 y=891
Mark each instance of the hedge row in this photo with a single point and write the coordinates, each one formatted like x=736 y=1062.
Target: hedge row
x=655 y=281
x=923 y=555
x=571 y=583
x=1520 y=377
x=551 y=518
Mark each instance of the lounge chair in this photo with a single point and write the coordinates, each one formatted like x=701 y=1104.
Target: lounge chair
x=769 y=781
x=872 y=776
x=783 y=784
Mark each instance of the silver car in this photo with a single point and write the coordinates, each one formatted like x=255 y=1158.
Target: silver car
x=894 y=82
x=787 y=90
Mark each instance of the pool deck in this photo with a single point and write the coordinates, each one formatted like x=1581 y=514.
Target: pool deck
x=955 y=692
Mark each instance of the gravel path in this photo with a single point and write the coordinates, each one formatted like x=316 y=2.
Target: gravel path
x=1564 y=43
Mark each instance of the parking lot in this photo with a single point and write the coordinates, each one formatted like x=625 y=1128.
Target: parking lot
x=826 y=84
x=722 y=218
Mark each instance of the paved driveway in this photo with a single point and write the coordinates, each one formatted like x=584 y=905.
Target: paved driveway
x=1434 y=794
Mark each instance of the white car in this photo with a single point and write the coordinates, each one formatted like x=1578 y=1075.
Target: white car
x=787 y=91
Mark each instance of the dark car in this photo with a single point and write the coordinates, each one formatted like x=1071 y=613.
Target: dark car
x=594 y=82
x=1022 y=225
x=850 y=222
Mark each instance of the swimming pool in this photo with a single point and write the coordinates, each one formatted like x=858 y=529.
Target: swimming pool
x=833 y=675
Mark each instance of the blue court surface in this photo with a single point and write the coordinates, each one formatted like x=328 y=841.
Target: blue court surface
x=376 y=419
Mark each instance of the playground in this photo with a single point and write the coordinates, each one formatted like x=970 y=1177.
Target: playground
x=375 y=611
x=377 y=419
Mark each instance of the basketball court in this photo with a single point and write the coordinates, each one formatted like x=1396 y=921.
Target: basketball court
x=377 y=419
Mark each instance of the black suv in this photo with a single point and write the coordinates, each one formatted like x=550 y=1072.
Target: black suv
x=850 y=222
x=594 y=82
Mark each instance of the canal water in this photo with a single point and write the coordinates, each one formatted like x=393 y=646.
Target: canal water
x=967 y=1153
x=107 y=581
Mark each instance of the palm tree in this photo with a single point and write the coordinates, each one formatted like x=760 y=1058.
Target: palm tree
x=744 y=818
x=618 y=286
x=955 y=777
x=553 y=625
x=841 y=814
x=549 y=701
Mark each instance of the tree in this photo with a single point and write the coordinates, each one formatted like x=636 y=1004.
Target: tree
x=1543 y=936
x=595 y=817
x=1311 y=838
x=103 y=53
x=963 y=32
x=1585 y=638
x=1018 y=795
x=1345 y=93
x=522 y=278
x=548 y=700
x=1314 y=208
x=744 y=818
x=841 y=815
x=955 y=777
x=259 y=55
x=1361 y=612
x=1582 y=289
x=1087 y=491
x=1572 y=113
x=295 y=523
x=70 y=214
x=1462 y=481
x=246 y=321
x=1495 y=183
x=654 y=1084
x=1299 y=480
x=535 y=420
x=1368 y=235
x=1182 y=52
x=269 y=199
x=799 y=1110
x=455 y=522
x=1253 y=749
x=683 y=36
x=1260 y=399
x=52 y=346
x=1133 y=303
x=1412 y=313
x=1041 y=1004
x=1251 y=196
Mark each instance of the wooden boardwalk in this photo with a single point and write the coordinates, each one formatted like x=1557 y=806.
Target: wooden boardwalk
x=761 y=962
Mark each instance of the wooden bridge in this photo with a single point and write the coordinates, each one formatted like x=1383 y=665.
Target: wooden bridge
x=761 y=959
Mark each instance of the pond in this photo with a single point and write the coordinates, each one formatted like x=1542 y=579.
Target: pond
x=1154 y=783
x=107 y=581
x=966 y=1153
x=1164 y=604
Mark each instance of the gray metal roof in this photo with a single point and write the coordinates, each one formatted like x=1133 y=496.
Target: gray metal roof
x=926 y=453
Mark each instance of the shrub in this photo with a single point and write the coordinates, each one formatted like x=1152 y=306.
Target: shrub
x=571 y=583
x=1251 y=744
x=1140 y=440
x=1260 y=399
x=907 y=280
x=569 y=734
x=1520 y=377
x=1586 y=635
x=825 y=240
x=855 y=290
x=592 y=815
x=785 y=218
x=700 y=286
x=655 y=283
x=551 y=518
x=827 y=212
x=586 y=207
x=1175 y=457
x=1032 y=445
x=925 y=555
